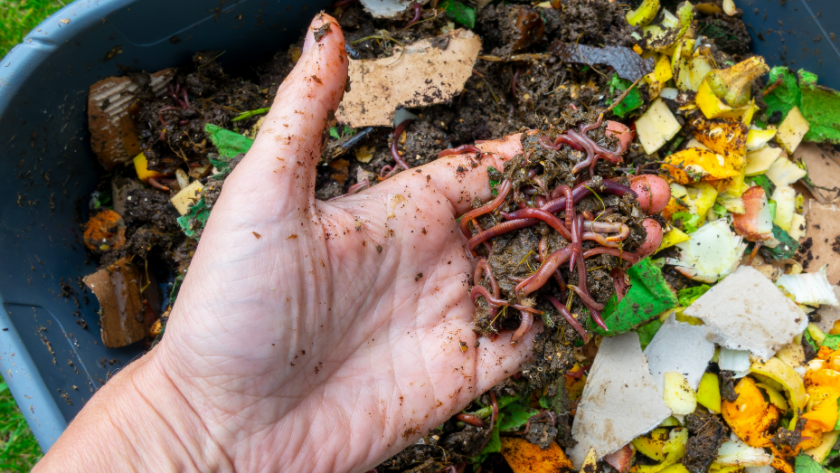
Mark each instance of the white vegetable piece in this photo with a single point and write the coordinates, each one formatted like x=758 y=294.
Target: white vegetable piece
x=746 y=311
x=785 y=198
x=712 y=252
x=734 y=452
x=809 y=288
x=186 y=197
x=735 y=360
x=785 y=172
x=678 y=395
x=792 y=129
x=759 y=161
x=656 y=126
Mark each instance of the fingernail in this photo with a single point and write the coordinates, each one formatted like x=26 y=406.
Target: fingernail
x=310 y=36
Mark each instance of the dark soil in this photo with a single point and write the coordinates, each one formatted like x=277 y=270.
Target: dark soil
x=707 y=433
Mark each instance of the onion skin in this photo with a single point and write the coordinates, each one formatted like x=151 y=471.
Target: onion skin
x=653 y=193
x=653 y=239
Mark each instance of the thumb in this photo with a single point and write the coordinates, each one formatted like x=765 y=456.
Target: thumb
x=280 y=167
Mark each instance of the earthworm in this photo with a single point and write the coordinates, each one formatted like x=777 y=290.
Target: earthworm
x=600 y=239
x=622 y=230
x=470 y=419
x=164 y=109
x=513 y=83
x=418 y=9
x=157 y=185
x=545 y=271
x=586 y=298
x=550 y=219
x=459 y=150
x=483 y=268
x=494 y=204
x=493 y=415
x=397 y=133
x=500 y=229
x=478 y=291
x=626 y=255
x=524 y=326
x=569 y=318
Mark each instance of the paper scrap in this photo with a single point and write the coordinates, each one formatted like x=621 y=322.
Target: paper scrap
x=386 y=8
x=818 y=248
x=746 y=311
x=828 y=314
x=823 y=165
x=428 y=72
x=680 y=347
x=620 y=400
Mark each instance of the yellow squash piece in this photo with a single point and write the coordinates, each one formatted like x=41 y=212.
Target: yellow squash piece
x=774 y=396
x=656 y=126
x=778 y=371
x=661 y=74
x=723 y=136
x=141 y=165
x=820 y=452
x=644 y=14
x=672 y=237
x=525 y=457
x=732 y=84
x=792 y=129
x=823 y=387
x=694 y=164
x=708 y=393
x=759 y=161
x=756 y=139
x=677 y=394
x=674 y=450
x=750 y=417
x=701 y=197
x=651 y=445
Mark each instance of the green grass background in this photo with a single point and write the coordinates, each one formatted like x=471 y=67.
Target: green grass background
x=18 y=17
x=19 y=451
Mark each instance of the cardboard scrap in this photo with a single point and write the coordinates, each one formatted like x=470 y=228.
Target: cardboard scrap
x=124 y=317
x=746 y=311
x=428 y=72
x=818 y=248
x=113 y=133
x=823 y=165
x=680 y=347
x=828 y=314
x=620 y=400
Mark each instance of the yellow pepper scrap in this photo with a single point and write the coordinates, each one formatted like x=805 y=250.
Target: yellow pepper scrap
x=724 y=136
x=822 y=383
x=651 y=445
x=695 y=164
x=750 y=417
x=525 y=457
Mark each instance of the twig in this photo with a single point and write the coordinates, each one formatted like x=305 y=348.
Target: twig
x=623 y=96
x=515 y=58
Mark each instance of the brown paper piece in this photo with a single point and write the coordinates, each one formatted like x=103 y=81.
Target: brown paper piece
x=123 y=317
x=429 y=72
x=829 y=314
x=113 y=133
x=817 y=248
x=823 y=169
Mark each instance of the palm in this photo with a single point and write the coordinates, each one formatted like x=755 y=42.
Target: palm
x=334 y=328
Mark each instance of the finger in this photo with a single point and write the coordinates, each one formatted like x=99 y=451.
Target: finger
x=460 y=178
x=282 y=161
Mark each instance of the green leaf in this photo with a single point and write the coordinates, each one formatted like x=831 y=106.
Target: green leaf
x=334 y=133
x=810 y=340
x=690 y=222
x=785 y=249
x=195 y=219
x=687 y=296
x=649 y=296
x=766 y=183
x=347 y=131
x=633 y=100
x=648 y=331
x=494 y=445
x=771 y=204
x=459 y=12
x=545 y=402
x=806 y=464
x=516 y=416
x=832 y=341
x=821 y=107
x=493 y=183
x=719 y=210
x=229 y=144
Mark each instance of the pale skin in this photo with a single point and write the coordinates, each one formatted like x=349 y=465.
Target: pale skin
x=308 y=336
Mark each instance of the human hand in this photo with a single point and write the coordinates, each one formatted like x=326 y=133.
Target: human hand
x=308 y=335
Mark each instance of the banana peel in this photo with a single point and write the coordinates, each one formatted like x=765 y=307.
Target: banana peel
x=643 y=15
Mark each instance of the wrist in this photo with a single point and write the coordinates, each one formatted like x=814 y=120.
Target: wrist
x=139 y=421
